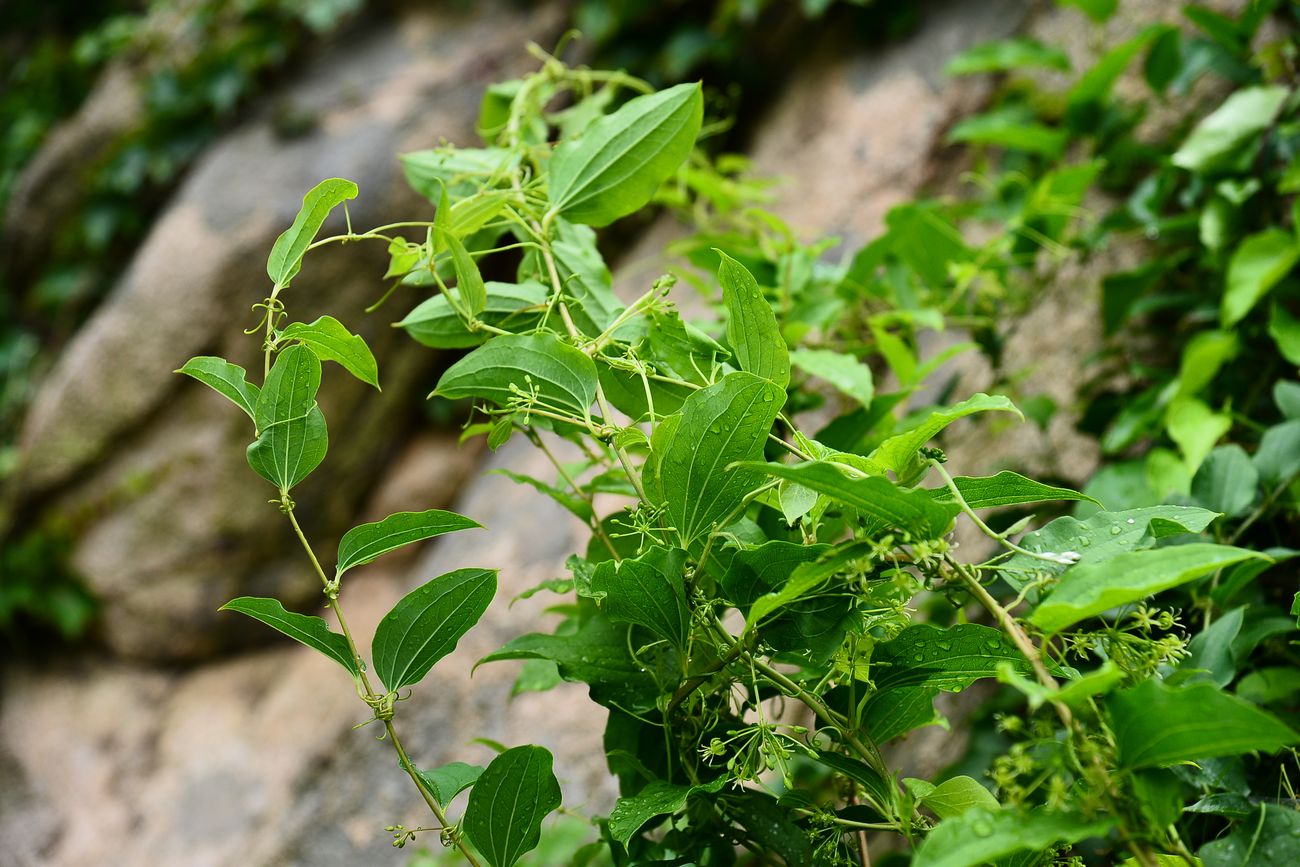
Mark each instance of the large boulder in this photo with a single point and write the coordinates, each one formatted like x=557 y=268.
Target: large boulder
x=144 y=467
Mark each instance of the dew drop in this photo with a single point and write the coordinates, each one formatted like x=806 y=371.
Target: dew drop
x=981 y=828
x=945 y=646
x=993 y=643
x=1130 y=521
x=920 y=657
x=1116 y=530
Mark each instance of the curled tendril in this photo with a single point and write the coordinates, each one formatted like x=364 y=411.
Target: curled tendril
x=272 y=308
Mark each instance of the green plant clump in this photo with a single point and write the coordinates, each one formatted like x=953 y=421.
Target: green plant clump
x=774 y=603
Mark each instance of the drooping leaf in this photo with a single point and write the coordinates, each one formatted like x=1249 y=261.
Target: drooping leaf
x=1008 y=54
x=458 y=170
x=751 y=325
x=656 y=799
x=1226 y=481
x=1245 y=113
x=879 y=500
x=755 y=571
x=512 y=306
x=1256 y=266
x=425 y=624
x=287 y=252
x=1013 y=129
x=469 y=282
x=899 y=451
x=953 y=797
x=846 y=373
x=516 y=367
x=951 y=659
x=226 y=379
x=805 y=578
x=1074 y=692
x=569 y=500
x=450 y=780
x=649 y=591
x=331 y=341
x=692 y=451
x=1157 y=725
x=363 y=544
x=980 y=836
x=1268 y=840
x=1089 y=589
x=293 y=438
x=303 y=628
x=1210 y=652
x=508 y=803
x=1006 y=489
x=620 y=160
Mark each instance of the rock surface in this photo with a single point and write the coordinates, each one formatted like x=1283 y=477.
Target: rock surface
x=146 y=468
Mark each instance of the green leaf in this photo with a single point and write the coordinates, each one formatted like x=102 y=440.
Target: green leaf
x=510 y=306
x=898 y=452
x=1270 y=685
x=332 y=342
x=1098 y=10
x=1210 y=651
x=1222 y=135
x=511 y=368
x=953 y=796
x=1226 y=481
x=1008 y=54
x=1089 y=589
x=649 y=591
x=508 y=803
x=1256 y=266
x=880 y=789
x=459 y=170
x=1157 y=725
x=657 y=799
x=802 y=581
x=450 y=780
x=426 y=623
x=1085 y=103
x=753 y=572
x=1006 y=489
x=621 y=159
x=293 y=438
x=1195 y=427
x=1278 y=456
x=1074 y=692
x=845 y=372
x=303 y=628
x=226 y=379
x=1285 y=331
x=751 y=325
x=584 y=276
x=570 y=501
x=469 y=282
x=692 y=451
x=365 y=543
x=1271 y=839
x=951 y=659
x=882 y=502
x=981 y=836
x=289 y=248
x=1008 y=128
x=888 y=715
x=1286 y=395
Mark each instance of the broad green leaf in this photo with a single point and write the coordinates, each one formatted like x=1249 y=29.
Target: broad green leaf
x=877 y=499
x=1269 y=685
x=450 y=780
x=1285 y=331
x=753 y=572
x=1085 y=102
x=1157 y=725
x=1008 y=54
x=981 y=836
x=1278 y=456
x=524 y=370
x=331 y=341
x=585 y=277
x=649 y=591
x=951 y=659
x=898 y=452
x=880 y=789
x=1256 y=266
x=1268 y=840
x=1226 y=481
x=1210 y=652
x=363 y=544
x=1195 y=427
x=692 y=452
x=1244 y=114
x=926 y=240
x=459 y=170
x=1286 y=395
x=512 y=306
x=805 y=578
x=1103 y=535
x=1203 y=356
x=1006 y=489
x=687 y=352
x=226 y=379
x=292 y=438
x=888 y=715
x=426 y=623
x=1074 y=692
x=1013 y=129
x=656 y=799
x=469 y=282
x=1089 y=589
x=953 y=796
x=751 y=325
x=303 y=628
x=621 y=159
x=287 y=252
x=508 y=803
x=1098 y=10
x=845 y=372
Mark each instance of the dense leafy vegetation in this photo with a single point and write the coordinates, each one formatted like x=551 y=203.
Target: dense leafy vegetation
x=776 y=603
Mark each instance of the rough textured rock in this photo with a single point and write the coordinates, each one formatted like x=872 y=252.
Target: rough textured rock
x=148 y=469
x=253 y=760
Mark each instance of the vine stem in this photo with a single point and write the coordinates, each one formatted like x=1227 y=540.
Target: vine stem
x=372 y=698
